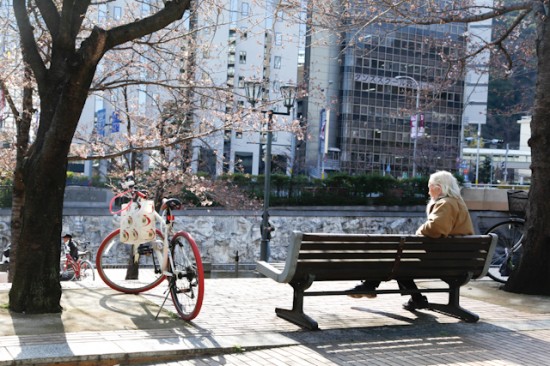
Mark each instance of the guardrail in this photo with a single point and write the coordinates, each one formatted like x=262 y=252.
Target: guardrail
x=516 y=187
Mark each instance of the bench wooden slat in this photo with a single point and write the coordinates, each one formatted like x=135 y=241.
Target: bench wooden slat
x=390 y=255
x=466 y=245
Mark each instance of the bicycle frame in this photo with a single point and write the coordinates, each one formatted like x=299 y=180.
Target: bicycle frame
x=166 y=221
x=68 y=261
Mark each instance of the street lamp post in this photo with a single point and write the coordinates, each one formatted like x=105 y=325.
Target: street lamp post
x=415 y=131
x=477 y=155
x=254 y=90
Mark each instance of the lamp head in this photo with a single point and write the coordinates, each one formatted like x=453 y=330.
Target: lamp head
x=289 y=96
x=254 y=90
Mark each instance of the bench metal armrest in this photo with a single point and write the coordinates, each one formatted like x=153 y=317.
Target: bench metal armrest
x=283 y=275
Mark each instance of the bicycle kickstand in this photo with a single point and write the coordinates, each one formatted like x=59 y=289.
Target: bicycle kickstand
x=162 y=305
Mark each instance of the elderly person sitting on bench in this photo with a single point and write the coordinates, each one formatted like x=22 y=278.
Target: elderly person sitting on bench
x=447 y=216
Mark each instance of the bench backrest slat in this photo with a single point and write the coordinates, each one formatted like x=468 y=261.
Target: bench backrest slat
x=353 y=256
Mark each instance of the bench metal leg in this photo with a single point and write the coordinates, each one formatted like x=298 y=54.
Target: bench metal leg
x=453 y=307
x=297 y=315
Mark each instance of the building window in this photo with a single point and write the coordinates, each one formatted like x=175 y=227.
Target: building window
x=278 y=39
x=243 y=162
x=277 y=62
x=244 y=33
x=102 y=13
x=145 y=8
x=241 y=82
x=245 y=8
x=117 y=12
x=242 y=57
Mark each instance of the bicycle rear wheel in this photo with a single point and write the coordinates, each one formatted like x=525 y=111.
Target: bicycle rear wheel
x=87 y=272
x=68 y=271
x=128 y=268
x=508 y=250
x=187 y=284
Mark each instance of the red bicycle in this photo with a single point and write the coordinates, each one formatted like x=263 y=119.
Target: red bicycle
x=76 y=270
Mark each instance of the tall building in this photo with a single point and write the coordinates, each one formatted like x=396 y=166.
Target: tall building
x=382 y=99
x=246 y=41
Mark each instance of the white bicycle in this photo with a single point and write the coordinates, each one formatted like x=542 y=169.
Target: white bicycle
x=175 y=257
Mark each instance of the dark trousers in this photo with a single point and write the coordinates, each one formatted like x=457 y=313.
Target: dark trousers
x=403 y=285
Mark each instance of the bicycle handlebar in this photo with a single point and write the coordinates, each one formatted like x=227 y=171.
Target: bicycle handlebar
x=129 y=187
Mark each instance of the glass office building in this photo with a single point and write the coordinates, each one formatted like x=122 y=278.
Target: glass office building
x=379 y=105
x=392 y=99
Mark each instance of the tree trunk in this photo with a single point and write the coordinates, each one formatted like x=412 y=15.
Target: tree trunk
x=36 y=287
x=533 y=274
x=22 y=144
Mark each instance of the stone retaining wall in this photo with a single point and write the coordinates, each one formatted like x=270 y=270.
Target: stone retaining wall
x=221 y=234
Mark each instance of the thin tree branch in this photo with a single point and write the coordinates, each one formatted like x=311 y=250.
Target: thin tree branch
x=31 y=53
x=172 y=11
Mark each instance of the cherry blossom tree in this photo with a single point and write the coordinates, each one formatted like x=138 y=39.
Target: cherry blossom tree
x=68 y=51
x=61 y=56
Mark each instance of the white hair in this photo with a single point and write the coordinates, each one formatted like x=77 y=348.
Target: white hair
x=447 y=182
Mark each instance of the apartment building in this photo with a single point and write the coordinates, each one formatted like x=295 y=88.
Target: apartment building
x=246 y=42
x=229 y=44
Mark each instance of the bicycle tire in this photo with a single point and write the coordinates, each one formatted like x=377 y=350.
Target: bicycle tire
x=86 y=271
x=126 y=272
x=187 y=284
x=85 y=256
x=508 y=250
x=69 y=271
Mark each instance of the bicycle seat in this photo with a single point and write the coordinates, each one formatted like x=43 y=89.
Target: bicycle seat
x=173 y=203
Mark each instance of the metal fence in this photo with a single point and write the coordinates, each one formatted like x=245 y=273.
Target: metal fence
x=5 y=195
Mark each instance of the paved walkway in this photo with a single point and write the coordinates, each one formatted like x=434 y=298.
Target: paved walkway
x=238 y=326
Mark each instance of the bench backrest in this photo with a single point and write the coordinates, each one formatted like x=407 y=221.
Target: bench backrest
x=382 y=257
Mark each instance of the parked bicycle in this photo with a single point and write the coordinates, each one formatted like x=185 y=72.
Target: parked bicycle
x=75 y=269
x=510 y=238
x=5 y=256
x=84 y=252
x=134 y=268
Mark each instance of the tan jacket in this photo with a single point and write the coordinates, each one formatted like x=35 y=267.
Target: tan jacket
x=447 y=216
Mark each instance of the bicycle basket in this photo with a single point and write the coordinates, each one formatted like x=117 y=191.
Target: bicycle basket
x=517 y=203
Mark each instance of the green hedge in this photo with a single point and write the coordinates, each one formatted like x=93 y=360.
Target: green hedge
x=336 y=190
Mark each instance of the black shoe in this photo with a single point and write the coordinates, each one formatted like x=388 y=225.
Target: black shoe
x=418 y=303
x=361 y=288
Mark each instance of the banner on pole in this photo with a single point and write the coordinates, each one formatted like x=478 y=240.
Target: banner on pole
x=323 y=124
x=417 y=129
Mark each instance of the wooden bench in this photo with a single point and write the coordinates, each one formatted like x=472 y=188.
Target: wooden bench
x=336 y=257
